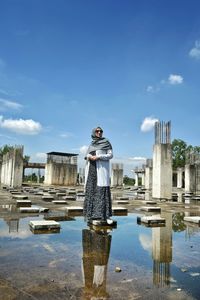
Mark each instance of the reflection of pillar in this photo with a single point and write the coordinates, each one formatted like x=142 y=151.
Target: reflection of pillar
x=96 y=250
x=162 y=251
x=136 y=179
x=179 y=177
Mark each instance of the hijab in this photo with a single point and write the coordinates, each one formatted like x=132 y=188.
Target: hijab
x=98 y=143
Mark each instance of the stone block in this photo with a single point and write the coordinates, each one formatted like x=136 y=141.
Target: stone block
x=20 y=197
x=24 y=203
x=59 y=202
x=44 y=224
x=151 y=220
x=151 y=208
x=119 y=211
x=29 y=209
x=195 y=219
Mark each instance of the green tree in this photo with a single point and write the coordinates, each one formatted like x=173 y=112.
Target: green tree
x=4 y=149
x=128 y=181
x=179 y=148
x=26 y=159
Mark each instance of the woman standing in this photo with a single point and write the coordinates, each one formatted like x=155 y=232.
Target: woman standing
x=97 y=204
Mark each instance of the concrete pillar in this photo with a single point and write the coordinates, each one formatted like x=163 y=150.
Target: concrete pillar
x=179 y=178
x=12 y=167
x=136 y=179
x=190 y=184
x=162 y=171
x=61 y=169
x=116 y=174
x=148 y=178
x=143 y=178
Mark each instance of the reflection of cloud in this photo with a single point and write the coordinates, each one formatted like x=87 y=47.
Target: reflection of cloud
x=28 y=127
x=21 y=234
x=148 y=124
x=146 y=242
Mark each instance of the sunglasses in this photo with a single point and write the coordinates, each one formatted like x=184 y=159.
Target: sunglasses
x=101 y=131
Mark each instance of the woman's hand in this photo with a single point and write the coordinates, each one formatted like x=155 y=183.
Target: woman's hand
x=93 y=157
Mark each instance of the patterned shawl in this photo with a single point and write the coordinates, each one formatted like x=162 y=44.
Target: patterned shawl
x=97 y=143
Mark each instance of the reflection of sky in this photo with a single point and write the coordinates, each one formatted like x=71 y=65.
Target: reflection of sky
x=131 y=246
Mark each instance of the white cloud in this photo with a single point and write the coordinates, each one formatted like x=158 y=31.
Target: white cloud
x=9 y=104
x=41 y=155
x=21 y=126
x=148 y=124
x=83 y=149
x=195 y=52
x=137 y=158
x=152 y=89
x=66 y=135
x=175 y=79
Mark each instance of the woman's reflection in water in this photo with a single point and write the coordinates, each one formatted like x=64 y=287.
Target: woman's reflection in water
x=96 y=250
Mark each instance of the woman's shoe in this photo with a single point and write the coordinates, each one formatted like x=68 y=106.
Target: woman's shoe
x=109 y=221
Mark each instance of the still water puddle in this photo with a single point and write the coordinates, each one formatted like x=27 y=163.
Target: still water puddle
x=129 y=262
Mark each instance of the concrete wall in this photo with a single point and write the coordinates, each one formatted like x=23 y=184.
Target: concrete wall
x=116 y=174
x=162 y=171
x=12 y=167
x=60 y=174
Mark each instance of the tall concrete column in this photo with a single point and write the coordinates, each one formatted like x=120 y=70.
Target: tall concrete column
x=148 y=178
x=179 y=178
x=116 y=174
x=143 y=179
x=190 y=184
x=162 y=162
x=136 y=179
x=12 y=167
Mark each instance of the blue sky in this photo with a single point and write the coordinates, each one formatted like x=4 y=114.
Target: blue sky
x=68 y=66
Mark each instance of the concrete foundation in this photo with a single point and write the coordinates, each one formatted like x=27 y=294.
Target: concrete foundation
x=117 y=175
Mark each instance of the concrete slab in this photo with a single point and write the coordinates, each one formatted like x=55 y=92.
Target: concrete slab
x=60 y=194
x=122 y=202
x=149 y=202
x=47 y=198
x=70 y=198
x=44 y=224
x=122 y=198
x=151 y=208
x=119 y=210
x=151 y=220
x=20 y=197
x=74 y=208
x=194 y=219
x=59 y=202
x=24 y=203
x=29 y=209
